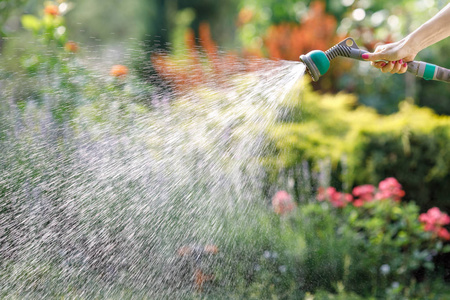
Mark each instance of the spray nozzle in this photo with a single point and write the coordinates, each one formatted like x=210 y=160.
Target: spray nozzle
x=318 y=62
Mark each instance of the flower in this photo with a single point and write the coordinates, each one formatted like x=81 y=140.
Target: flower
x=365 y=193
x=434 y=220
x=211 y=249
x=358 y=202
x=282 y=203
x=185 y=251
x=325 y=194
x=443 y=234
x=385 y=269
x=390 y=188
x=434 y=216
x=245 y=16
x=119 y=71
x=71 y=46
x=200 y=278
x=337 y=199
x=51 y=10
x=340 y=199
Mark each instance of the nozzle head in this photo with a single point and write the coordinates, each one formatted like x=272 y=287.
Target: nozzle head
x=316 y=63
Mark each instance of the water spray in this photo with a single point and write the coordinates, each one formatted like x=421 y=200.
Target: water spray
x=318 y=62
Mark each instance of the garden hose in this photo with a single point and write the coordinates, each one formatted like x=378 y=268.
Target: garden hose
x=318 y=62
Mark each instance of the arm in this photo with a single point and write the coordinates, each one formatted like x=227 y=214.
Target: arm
x=434 y=30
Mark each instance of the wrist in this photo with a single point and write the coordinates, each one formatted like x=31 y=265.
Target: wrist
x=412 y=43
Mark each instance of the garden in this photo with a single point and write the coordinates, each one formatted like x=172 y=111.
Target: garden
x=177 y=150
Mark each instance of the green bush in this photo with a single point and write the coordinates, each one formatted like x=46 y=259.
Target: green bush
x=410 y=145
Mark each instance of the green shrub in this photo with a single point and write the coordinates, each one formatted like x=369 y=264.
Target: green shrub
x=410 y=145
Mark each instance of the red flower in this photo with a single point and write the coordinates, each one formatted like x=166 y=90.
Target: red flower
x=434 y=220
x=282 y=203
x=390 y=188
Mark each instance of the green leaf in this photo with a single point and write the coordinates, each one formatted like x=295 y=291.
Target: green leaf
x=429 y=266
x=446 y=249
x=30 y=22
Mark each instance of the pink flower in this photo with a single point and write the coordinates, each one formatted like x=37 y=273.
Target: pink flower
x=365 y=193
x=340 y=199
x=358 y=203
x=443 y=234
x=390 y=188
x=434 y=216
x=282 y=203
x=325 y=194
x=321 y=194
x=337 y=199
x=434 y=220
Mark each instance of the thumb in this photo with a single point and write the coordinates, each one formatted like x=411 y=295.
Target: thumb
x=372 y=56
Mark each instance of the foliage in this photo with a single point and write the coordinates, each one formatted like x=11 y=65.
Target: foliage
x=51 y=26
x=392 y=237
x=7 y=7
x=112 y=23
x=319 y=251
x=409 y=145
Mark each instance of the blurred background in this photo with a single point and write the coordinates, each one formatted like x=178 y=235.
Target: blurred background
x=281 y=29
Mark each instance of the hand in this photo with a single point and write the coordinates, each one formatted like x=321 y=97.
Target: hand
x=395 y=56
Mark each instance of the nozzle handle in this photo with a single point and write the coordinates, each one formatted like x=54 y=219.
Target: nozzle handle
x=428 y=71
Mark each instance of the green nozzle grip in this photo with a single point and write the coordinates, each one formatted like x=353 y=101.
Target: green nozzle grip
x=320 y=60
x=428 y=73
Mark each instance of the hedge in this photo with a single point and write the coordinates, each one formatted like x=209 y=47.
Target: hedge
x=410 y=145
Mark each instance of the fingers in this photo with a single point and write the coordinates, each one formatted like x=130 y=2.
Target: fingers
x=393 y=67
x=378 y=64
x=403 y=68
x=397 y=66
x=388 y=67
